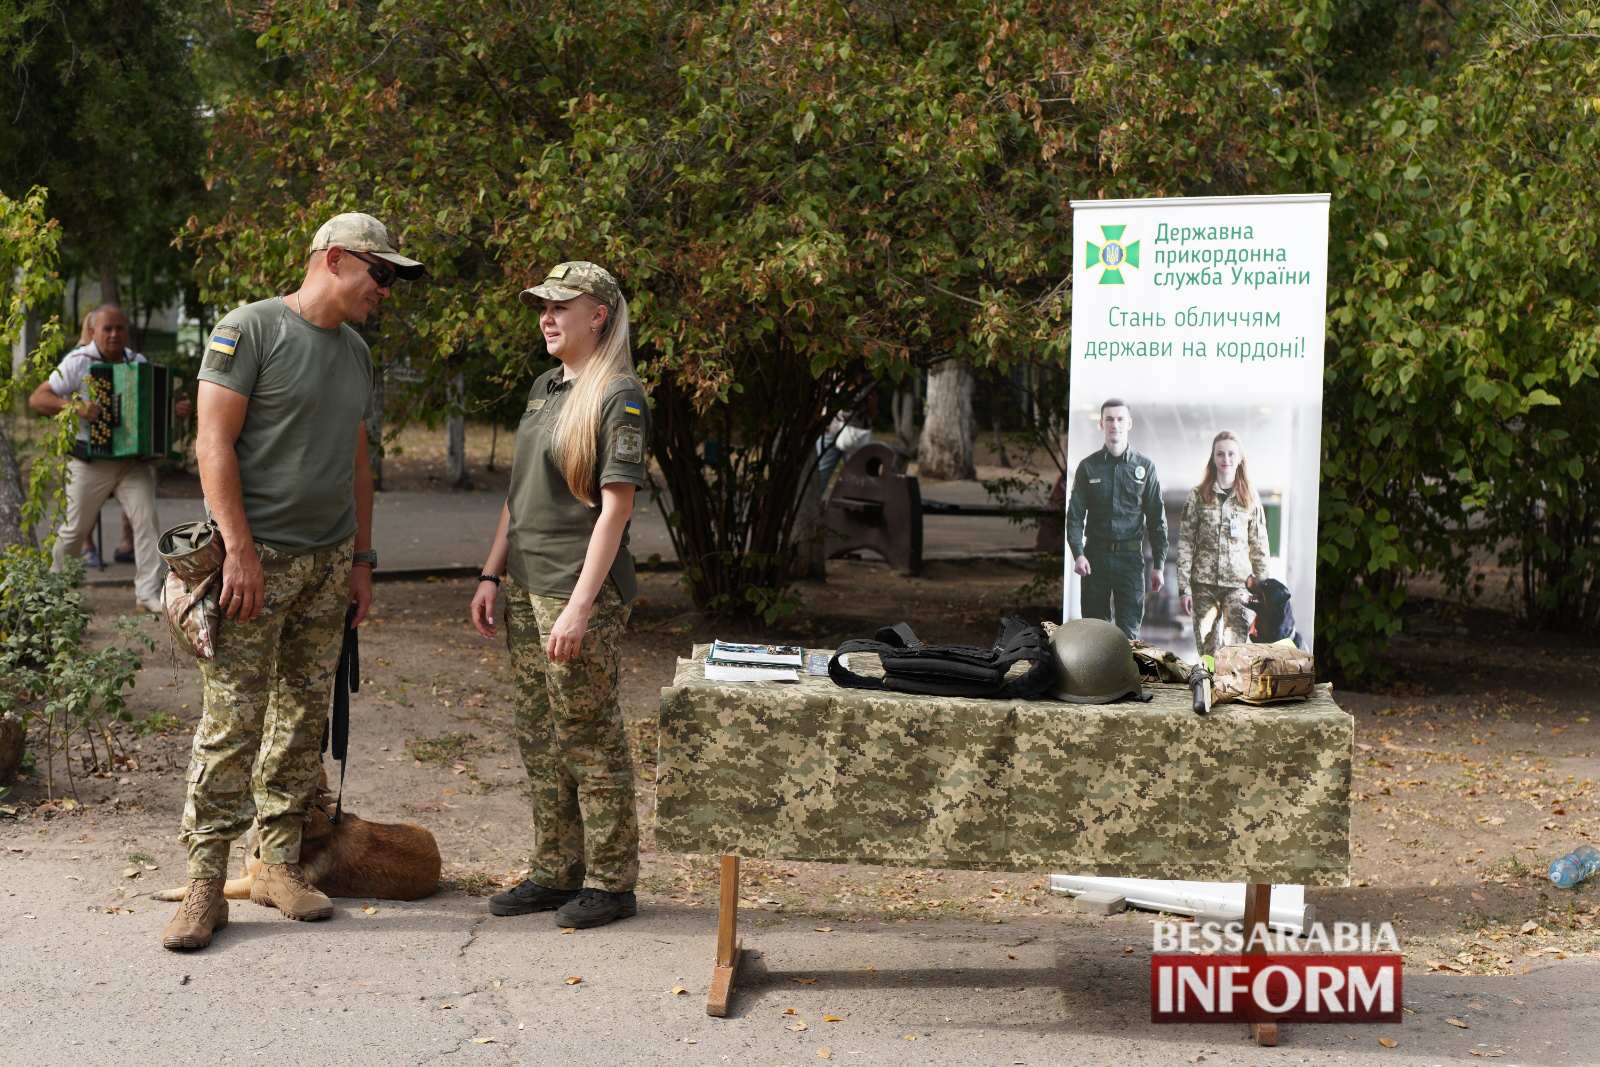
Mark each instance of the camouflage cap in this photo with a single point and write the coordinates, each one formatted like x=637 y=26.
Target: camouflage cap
x=363 y=233
x=568 y=281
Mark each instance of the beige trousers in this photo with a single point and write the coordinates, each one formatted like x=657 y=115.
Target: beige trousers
x=133 y=483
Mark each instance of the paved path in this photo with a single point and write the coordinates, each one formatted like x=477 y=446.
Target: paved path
x=430 y=532
x=439 y=981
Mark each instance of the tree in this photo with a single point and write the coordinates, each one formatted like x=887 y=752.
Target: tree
x=28 y=279
x=799 y=197
x=103 y=112
x=950 y=431
x=753 y=205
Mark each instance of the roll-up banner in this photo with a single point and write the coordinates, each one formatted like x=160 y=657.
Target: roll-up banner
x=1196 y=417
x=1194 y=438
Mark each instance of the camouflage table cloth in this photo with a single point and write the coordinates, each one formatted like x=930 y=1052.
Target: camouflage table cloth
x=811 y=771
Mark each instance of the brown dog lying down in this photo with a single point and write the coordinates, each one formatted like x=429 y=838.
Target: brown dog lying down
x=352 y=858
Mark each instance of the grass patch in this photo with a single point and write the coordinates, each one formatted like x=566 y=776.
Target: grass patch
x=446 y=749
x=157 y=722
x=472 y=883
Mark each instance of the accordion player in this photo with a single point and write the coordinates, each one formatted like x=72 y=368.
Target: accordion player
x=136 y=402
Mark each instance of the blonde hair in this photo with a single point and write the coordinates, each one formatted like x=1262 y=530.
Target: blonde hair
x=575 y=439
x=86 y=334
x=1241 y=477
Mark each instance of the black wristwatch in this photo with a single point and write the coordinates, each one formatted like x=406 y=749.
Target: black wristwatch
x=368 y=556
x=495 y=578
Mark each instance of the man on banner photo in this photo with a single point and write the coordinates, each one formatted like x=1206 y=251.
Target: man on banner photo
x=1115 y=502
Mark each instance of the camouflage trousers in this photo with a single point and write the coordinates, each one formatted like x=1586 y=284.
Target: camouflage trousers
x=258 y=749
x=569 y=727
x=1220 y=617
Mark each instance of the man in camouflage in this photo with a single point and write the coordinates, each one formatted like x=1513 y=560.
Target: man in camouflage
x=1115 y=502
x=285 y=384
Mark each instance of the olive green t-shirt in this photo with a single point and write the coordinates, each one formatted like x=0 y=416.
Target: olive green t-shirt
x=309 y=389
x=550 y=528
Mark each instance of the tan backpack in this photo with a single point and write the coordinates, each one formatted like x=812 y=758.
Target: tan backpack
x=1262 y=674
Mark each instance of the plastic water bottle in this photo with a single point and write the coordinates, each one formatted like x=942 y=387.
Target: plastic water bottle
x=1575 y=866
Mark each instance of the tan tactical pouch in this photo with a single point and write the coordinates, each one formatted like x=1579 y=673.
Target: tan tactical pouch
x=194 y=553
x=1261 y=674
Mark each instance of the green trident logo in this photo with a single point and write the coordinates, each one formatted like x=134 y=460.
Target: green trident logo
x=1111 y=255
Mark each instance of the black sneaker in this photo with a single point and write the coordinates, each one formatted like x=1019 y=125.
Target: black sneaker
x=528 y=897
x=596 y=907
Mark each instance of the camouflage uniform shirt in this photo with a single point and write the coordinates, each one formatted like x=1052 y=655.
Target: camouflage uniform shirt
x=1220 y=543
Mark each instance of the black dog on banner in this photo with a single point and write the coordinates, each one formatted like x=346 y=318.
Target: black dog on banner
x=1274 y=619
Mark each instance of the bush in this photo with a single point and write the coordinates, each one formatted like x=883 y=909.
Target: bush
x=47 y=677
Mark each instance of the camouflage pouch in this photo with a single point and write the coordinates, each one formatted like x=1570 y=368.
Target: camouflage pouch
x=194 y=553
x=1159 y=665
x=1262 y=674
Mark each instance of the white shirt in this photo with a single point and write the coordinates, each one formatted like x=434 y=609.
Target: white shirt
x=71 y=375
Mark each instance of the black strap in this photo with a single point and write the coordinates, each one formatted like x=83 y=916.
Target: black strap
x=909 y=666
x=347 y=681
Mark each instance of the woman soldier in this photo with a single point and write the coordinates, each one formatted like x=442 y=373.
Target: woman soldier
x=1222 y=540
x=562 y=545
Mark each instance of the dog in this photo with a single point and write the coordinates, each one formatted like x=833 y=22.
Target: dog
x=1274 y=619
x=351 y=858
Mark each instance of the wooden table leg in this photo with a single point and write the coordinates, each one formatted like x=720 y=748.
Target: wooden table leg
x=727 y=963
x=1257 y=909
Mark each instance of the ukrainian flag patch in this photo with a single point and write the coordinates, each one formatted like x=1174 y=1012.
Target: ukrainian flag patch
x=630 y=407
x=224 y=342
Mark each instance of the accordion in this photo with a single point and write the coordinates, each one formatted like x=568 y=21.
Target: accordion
x=136 y=416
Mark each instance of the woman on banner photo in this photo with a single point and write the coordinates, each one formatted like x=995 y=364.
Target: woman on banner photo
x=1222 y=542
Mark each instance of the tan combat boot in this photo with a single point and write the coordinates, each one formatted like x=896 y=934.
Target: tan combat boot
x=203 y=912
x=284 y=886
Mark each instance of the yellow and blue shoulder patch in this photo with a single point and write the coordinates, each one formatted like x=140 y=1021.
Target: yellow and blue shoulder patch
x=632 y=407
x=224 y=341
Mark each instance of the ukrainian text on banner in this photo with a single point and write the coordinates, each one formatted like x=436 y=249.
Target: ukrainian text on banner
x=1192 y=504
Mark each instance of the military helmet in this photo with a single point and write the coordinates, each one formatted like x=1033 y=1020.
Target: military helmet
x=1094 y=663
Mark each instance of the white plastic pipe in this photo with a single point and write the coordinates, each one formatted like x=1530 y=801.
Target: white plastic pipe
x=1223 y=900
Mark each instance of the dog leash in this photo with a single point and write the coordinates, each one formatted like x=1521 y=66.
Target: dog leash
x=347 y=681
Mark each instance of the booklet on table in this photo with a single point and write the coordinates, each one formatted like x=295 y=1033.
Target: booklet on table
x=733 y=654
x=729 y=661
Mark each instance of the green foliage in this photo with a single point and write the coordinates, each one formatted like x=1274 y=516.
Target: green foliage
x=47 y=676
x=103 y=110
x=28 y=254
x=1463 y=329
x=801 y=196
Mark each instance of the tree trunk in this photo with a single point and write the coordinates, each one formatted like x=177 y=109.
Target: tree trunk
x=811 y=531
x=375 y=430
x=110 y=287
x=904 y=413
x=12 y=530
x=455 y=451
x=25 y=343
x=945 y=451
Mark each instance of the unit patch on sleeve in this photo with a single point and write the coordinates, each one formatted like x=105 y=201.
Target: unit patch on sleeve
x=629 y=446
x=220 y=349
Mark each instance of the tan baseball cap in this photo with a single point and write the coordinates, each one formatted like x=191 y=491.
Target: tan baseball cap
x=568 y=281
x=363 y=233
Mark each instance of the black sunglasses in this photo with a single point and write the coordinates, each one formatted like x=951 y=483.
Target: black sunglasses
x=383 y=272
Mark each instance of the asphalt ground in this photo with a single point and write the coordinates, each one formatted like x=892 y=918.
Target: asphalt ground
x=441 y=981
